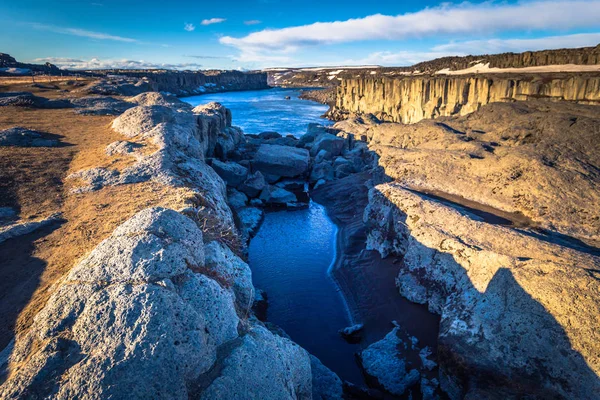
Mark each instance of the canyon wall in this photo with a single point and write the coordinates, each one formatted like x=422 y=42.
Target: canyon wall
x=409 y=100
x=185 y=83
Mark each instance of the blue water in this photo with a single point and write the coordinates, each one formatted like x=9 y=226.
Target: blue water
x=258 y=111
x=290 y=257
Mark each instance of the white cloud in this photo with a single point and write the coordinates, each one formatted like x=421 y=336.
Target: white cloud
x=447 y=19
x=82 y=33
x=96 y=63
x=213 y=21
x=189 y=27
x=252 y=22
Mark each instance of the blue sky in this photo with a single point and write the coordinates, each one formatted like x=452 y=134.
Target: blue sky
x=269 y=33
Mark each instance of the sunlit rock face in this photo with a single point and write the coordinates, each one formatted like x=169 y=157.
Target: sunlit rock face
x=411 y=99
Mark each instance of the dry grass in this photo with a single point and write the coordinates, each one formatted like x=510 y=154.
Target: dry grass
x=33 y=181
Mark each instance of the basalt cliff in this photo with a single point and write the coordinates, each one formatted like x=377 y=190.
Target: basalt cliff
x=412 y=99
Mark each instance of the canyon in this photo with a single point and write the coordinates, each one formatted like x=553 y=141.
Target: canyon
x=467 y=240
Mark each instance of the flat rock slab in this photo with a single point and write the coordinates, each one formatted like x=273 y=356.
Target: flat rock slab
x=281 y=160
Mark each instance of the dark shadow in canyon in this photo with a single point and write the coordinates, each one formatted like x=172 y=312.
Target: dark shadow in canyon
x=20 y=272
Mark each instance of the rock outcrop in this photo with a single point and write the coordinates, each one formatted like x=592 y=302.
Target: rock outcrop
x=519 y=313
x=411 y=99
x=535 y=161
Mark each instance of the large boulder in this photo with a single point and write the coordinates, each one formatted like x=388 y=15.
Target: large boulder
x=381 y=361
x=277 y=196
x=328 y=142
x=281 y=160
x=253 y=185
x=232 y=173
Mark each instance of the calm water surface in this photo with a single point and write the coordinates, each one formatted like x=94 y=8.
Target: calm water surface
x=258 y=111
x=290 y=257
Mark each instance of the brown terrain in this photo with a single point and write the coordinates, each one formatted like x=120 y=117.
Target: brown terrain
x=33 y=180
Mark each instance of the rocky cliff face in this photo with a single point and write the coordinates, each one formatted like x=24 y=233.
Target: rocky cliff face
x=189 y=83
x=411 y=99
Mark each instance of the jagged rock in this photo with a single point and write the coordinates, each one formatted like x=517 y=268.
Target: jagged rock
x=329 y=143
x=382 y=361
x=281 y=160
x=122 y=147
x=236 y=198
x=352 y=333
x=253 y=185
x=246 y=373
x=323 y=171
x=342 y=167
x=95 y=179
x=250 y=219
x=277 y=196
x=232 y=271
x=232 y=173
x=508 y=299
x=23 y=137
x=311 y=134
x=213 y=120
x=100 y=105
x=323 y=155
x=325 y=384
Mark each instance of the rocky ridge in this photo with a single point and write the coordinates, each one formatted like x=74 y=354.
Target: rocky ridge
x=161 y=307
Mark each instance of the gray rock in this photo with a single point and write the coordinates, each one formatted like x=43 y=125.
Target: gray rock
x=250 y=219
x=232 y=173
x=277 y=196
x=122 y=147
x=233 y=271
x=382 y=361
x=24 y=228
x=100 y=105
x=323 y=155
x=23 y=137
x=26 y=99
x=158 y=99
x=253 y=185
x=269 y=135
x=236 y=199
x=323 y=171
x=246 y=373
x=281 y=160
x=326 y=385
x=327 y=142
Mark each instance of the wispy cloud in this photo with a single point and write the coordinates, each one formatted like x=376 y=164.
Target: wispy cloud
x=213 y=21
x=96 y=63
x=206 y=57
x=252 y=22
x=82 y=33
x=448 y=19
x=189 y=27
